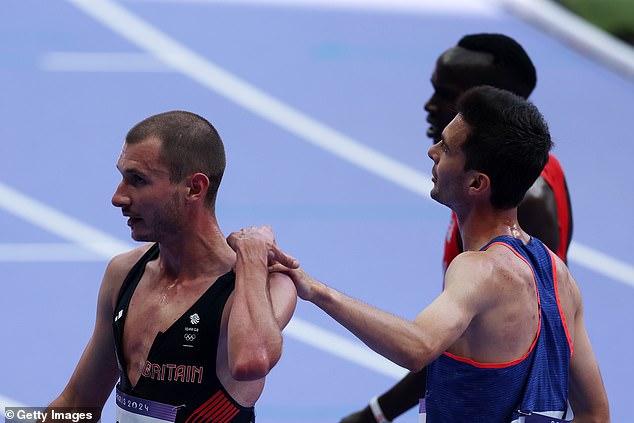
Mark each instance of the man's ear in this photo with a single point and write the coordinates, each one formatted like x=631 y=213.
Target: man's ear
x=197 y=186
x=479 y=183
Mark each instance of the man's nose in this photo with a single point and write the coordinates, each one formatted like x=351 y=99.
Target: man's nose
x=120 y=198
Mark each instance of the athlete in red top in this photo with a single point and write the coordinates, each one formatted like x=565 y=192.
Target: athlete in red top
x=545 y=212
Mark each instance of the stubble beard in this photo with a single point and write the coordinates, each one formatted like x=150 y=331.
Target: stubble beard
x=166 y=222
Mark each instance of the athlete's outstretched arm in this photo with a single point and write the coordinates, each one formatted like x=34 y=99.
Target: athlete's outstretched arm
x=409 y=344
x=262 y=304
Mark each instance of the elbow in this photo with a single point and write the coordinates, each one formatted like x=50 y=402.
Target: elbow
x=412 y=360
x=253 y=368
x=419 y=355
x=415 y=364
x=254 y=364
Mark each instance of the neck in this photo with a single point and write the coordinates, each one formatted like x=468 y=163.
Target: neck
x=197 y=250
x=480 y=225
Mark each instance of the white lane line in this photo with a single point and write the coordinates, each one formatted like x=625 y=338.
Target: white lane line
x=8 y=402
x=342 y=347
x=581 y=34
x=28 y=252
x=601 y=263
x=249 y=97
x=59 y=61
x=267 y=107
x=55 y=222
x=453 y=7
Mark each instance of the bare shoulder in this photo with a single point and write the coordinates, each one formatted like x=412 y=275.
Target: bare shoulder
x=474 y=266
x=493 y=274
x=117 y=270
x=470 y=261
x=472 y=274
x=120 y=265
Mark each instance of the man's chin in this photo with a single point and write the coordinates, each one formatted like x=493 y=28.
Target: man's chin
x=140 y=237
x=436 y=197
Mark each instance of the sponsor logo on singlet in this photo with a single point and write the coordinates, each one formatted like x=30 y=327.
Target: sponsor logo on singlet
x=191 y=332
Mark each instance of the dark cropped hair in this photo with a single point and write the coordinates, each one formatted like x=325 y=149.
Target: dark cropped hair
x=189 y=144
x=512 y=69
x=508 y=140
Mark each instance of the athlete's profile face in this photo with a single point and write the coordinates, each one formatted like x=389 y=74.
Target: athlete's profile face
x=146 y=196
x=456 y=70
x=448 y=174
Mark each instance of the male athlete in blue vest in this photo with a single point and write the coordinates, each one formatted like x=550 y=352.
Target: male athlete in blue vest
x=505 y=341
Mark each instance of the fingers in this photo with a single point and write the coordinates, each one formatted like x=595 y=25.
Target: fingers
x=249 y=233
x=277 y=255
x=263 y=234
x=276 y=267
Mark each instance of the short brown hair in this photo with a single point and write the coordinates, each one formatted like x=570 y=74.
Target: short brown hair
x=189 y=144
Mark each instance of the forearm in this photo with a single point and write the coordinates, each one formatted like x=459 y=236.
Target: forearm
x=394 y=402
x=254 y=335
x=404 y=395
x=396 y=339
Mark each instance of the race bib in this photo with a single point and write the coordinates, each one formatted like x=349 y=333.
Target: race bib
x=131 y=409
x=525 y=418
x=422 y=411
x=538 y=418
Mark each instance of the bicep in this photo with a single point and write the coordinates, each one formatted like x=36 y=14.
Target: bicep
x=283 y=297
x=447 y=318
x=442 y=322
